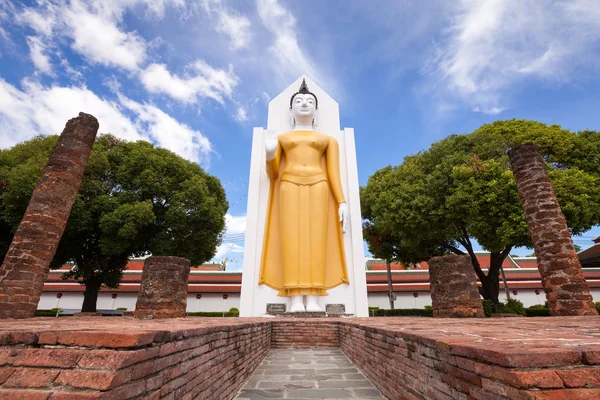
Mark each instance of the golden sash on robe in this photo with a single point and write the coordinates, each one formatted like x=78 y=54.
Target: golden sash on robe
x=303 y=250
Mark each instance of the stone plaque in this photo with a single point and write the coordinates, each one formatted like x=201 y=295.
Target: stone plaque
x=275 y=308
x=335 y=309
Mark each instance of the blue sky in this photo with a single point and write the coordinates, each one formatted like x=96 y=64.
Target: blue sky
x=196 y=76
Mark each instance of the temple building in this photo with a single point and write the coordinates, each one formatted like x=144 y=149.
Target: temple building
x=209 y=283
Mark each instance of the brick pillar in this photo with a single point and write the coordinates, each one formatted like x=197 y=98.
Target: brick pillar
x=566 y=290
x=27 y=261
x=453 y=287
x=163 y=291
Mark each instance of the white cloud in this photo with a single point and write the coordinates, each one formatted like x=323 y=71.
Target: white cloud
x=491 y=46
x=41 y=22
x=45 y=110
x=36 y=51
x=207 y=82
x=236 y=27
x=235 y=224
x=100 y=40
x=229 y=22
x=235 y=228
x=227 y=249
x=241 y=114
x=170 y=133
x=96 y=30
x=93 y=28
x=291 y=60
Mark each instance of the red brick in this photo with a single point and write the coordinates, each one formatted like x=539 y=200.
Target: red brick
x=112 y=359
x=98 y=339
x=542 y=379
x=126 y=392
x=14 y=394
x=591 y=356
x=63 y=358
x=5 y=373
x=99 y=380
x=31 y=378
x=8 y=338
x=580 y=377
x=504 y=390
x=566 y=394
x=465 y=375
x=75 y=396
x=142 y=369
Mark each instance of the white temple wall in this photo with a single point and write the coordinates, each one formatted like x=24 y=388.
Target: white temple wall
x=73 y=301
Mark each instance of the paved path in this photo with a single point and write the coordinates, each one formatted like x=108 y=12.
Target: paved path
x=308 y=374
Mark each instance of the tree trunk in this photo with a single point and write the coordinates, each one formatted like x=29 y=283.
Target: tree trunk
x=490 y=288
x=90 y=296
x=492 y=285
x=390 y=286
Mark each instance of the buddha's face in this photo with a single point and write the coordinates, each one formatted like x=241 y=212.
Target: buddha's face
x=303 y=107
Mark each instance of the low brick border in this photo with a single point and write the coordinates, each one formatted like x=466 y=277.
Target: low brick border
x=410 y=357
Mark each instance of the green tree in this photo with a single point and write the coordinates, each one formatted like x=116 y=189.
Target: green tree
x=462 y=189
x=135 y=199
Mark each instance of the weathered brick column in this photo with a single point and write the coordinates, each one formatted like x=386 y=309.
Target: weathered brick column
x=27 y=261
x=566 y=289
x=163 y=291
x=453 y=287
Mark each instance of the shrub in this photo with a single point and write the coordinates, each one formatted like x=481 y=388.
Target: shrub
x=50 y=313
x=538 y=306
x=404 y=312
x=597 y=306
x=537 y=311
x=512 y=306
x=122 y=308
x=428 y=308
x=233 y=309
x=488 y=306
x=213 y=314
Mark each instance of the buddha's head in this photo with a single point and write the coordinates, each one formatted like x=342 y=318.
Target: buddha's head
x=303 y=105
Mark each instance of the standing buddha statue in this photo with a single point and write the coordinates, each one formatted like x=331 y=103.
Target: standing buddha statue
x=303 y=250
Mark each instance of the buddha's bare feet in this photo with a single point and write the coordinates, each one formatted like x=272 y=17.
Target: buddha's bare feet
x=297 y=304
x=312 y=305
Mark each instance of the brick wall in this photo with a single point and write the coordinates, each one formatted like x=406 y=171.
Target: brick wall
x=211 y=358
x=307 y=333
x=442 y=366
x=209 y=363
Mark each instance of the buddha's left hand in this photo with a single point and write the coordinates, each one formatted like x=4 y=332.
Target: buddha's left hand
x=343 y=214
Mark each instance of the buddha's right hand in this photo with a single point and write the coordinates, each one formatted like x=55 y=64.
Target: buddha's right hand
x=271 y=147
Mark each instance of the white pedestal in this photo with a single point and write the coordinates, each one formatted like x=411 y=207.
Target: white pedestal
x=255 y=297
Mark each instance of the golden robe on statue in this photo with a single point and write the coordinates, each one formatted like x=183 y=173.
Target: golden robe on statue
x=303 y=250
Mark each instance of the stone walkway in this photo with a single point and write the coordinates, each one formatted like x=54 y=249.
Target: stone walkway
x=308 y=374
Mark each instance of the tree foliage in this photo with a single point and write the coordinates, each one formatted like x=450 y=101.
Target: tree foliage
x=462 y=188
x=135 y=199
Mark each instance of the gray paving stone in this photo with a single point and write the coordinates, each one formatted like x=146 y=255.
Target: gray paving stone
x=261 y=394
x=288 y=385
x=314 y=366
x=320 y=394
x=289 y=371
x=338 y=371
x=318 y=377
x=308 y=374
x=269 y=378
x=368 y=394
x=344 y=384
